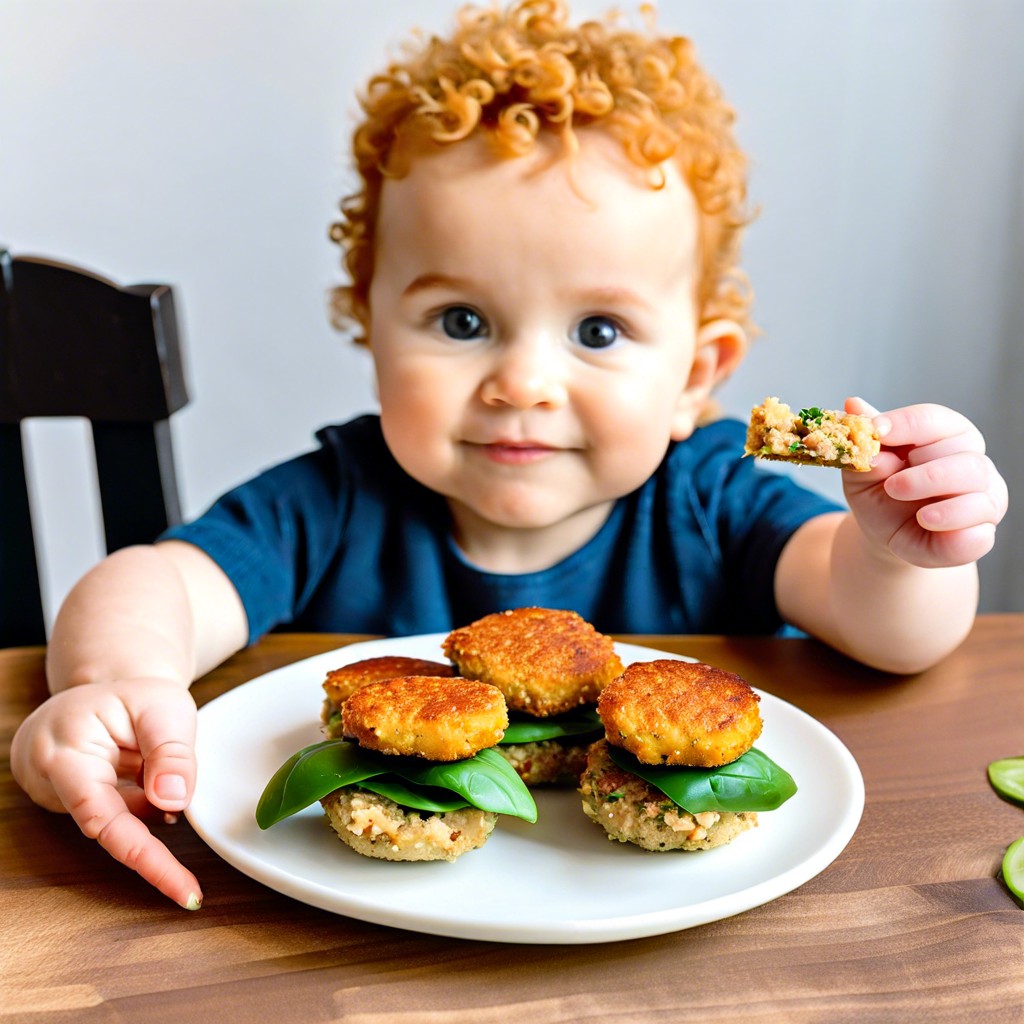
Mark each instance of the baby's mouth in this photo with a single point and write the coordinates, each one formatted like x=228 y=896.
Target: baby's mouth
x=514 y=453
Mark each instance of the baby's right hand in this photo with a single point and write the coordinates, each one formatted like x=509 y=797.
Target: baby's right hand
x=84 y=750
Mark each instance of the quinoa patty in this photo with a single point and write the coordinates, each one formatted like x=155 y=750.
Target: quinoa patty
x=375 y=826
x=426 y=716
x=544 y=661
x=558 y=762
x=680 y=712
x=814 y=437
x=633 y=811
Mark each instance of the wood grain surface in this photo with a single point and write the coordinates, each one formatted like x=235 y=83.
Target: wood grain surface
x=911 y=923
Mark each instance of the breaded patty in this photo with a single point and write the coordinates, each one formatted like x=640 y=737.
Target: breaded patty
x=814 y=437
x=631 y=810
x=426 y=716
x=342 y=682
x=375 y=826
x=680 y=712
x=544 y=661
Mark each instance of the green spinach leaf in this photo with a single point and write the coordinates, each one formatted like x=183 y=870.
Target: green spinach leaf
x=486 y=781
x=527 y=729
x=753 y=782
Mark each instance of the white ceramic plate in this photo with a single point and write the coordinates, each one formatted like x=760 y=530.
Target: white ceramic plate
x=558 y=881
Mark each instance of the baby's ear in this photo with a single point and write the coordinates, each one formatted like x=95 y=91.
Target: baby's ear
x=721 y=345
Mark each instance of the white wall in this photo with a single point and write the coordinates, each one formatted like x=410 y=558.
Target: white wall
x=203 y=144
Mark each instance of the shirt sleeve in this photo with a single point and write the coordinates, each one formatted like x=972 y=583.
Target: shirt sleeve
x=275 y=535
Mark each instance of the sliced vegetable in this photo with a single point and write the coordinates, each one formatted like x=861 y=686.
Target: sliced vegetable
x=1013 y=868
x=1007 y=777
x=753 y=782
x=486 y=781
x=527 y=729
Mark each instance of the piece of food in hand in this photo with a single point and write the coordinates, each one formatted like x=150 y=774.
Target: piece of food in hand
x=550 y=665
x=677 y=769
x=813 y=437
x=342 y=682
x=408 y=806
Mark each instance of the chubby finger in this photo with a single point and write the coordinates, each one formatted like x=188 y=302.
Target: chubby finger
x=921 y=425
x=166 y=734
x=961 y=473
x=859 y=407
x=959 y=513
x=101 y=813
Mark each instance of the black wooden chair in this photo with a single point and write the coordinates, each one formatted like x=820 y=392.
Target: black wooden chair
x=75 y=344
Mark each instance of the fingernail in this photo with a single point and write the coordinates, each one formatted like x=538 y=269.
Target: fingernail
x=194 y=902
x=170 y=787
x=882 y=425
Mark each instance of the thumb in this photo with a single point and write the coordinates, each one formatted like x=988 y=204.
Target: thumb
x=166 y=732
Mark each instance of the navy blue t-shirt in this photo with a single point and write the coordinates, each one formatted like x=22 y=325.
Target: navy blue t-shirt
x=341 y=539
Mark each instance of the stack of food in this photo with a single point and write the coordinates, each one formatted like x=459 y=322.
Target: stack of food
x=421 y=782
x=423 y=756
x=678 y=770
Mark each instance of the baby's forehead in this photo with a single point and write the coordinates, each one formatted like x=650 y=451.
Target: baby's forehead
x=587 y=172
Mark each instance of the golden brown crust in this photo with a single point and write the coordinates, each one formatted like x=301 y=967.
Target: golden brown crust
x=544 y=661
x=426 y=716
x=680 y=712
x=828 y=438
x=342 y=682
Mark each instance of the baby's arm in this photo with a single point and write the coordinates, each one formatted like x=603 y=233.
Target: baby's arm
x=129 y=639
x=894 y=584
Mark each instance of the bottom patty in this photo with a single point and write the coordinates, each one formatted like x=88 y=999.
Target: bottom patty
x=633 y=811
x=375 y=826
x=546 y=762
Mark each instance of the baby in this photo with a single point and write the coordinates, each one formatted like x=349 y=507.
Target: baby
x=544 y=265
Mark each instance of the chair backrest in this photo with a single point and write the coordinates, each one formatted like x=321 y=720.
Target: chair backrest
x=75 y=344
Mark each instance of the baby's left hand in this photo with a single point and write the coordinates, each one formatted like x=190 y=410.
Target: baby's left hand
x=933 y=497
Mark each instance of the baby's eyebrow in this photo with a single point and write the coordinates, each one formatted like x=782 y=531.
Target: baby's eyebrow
x=426 y=282
x=611 y=295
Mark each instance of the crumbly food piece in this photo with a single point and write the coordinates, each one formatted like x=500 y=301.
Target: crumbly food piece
x=544 y=661
x=680 y=712
x=633 y=811
x=814 y=437
x=342 y=682
x=375 y=826
x=426 y=716
x=546 y=762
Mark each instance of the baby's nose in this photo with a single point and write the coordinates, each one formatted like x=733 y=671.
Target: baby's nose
x=527 y=374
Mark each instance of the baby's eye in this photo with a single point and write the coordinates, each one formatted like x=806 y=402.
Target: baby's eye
x=598 y=332
x=462 y=323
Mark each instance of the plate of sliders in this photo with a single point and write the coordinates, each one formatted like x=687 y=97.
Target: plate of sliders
x=521 y=779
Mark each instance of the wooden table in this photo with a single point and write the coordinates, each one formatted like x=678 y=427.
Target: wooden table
x=911 y=923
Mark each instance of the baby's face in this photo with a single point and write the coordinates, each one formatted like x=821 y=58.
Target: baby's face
x=533 y=344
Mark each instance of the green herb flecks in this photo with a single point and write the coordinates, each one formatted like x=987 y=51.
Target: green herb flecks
x=812 y=416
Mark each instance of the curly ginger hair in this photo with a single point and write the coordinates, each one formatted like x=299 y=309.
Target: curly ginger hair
x=515 y=73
